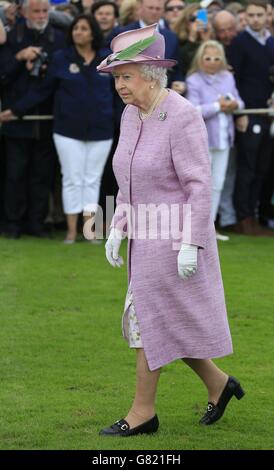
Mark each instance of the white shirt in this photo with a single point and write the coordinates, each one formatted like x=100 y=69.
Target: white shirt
x=161 y=24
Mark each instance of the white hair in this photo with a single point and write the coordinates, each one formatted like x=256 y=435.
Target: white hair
x=25 y=3
x=153 y=72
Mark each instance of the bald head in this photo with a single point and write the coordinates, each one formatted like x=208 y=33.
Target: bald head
x=225 y=26
x=224 y=18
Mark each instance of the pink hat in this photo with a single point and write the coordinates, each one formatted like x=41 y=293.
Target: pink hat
x=137 y=46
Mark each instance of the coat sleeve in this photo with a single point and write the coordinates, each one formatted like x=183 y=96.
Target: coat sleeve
x=120 y=217
x=10 y=67
x=39 y=93
x=176 y=72
x=237 y=59
x=208 y=110
x=189 y=151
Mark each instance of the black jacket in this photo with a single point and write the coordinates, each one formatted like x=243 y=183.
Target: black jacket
x=16 y=80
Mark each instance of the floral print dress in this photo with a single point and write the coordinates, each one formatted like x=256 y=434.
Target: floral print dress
x=130 y=325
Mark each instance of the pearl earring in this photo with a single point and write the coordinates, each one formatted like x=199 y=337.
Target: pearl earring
x=152 y=86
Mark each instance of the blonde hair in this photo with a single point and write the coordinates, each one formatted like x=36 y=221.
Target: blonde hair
x=196 y=63
x=128 y=11
x=181 y=27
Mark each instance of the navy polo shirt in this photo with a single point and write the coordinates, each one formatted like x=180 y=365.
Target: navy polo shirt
x=83 y=98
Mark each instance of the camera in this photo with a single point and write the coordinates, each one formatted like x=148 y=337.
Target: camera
x=41 y=60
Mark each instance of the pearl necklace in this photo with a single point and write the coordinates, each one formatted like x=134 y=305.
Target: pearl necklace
x=143 y=115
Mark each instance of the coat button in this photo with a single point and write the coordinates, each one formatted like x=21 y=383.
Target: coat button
x=126 y=178
x=130 y=152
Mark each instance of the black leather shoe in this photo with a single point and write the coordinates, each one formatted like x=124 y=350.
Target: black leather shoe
x=40 y=234
x=215 y=412
x=13 y=235
x=121 y=428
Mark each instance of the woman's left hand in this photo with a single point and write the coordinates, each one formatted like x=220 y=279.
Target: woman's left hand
x=187 y=260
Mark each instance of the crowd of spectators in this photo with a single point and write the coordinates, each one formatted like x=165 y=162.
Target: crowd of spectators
x=60 y=117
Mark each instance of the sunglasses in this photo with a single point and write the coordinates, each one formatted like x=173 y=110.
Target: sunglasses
x=212 y=59
x=176 y=7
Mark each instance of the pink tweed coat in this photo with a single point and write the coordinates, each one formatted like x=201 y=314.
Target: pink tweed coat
x=164 y=160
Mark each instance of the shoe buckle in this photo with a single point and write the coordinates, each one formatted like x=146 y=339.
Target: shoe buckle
x=209 y=407
x=123 y=427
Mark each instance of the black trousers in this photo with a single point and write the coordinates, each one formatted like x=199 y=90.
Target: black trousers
x=266 y=209
x=109 y=185
x=29 y=178
x=2 y=181
x=253 y=163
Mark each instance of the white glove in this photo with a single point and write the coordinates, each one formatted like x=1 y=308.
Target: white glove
x=112 y=247
x=187 y=260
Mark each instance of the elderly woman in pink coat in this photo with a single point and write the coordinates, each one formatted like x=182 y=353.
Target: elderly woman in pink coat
x=175 y=306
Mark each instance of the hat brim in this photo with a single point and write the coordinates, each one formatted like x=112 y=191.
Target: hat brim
x=166 y=63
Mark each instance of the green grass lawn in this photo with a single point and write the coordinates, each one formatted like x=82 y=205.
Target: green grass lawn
x=66 y=371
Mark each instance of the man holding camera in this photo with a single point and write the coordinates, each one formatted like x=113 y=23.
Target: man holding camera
x=29 y=147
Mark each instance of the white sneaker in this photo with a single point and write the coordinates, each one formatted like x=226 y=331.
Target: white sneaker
x=223 y=238
x=68 y=242
x=95 y=241
x=270 y=223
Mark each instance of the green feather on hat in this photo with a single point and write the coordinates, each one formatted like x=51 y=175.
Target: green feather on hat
x=132 y=51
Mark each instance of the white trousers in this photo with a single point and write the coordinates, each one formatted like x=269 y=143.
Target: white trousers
x=82 y=165
x=219 y=161
x=226 y=210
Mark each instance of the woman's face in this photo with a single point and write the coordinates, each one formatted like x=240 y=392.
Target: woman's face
x=130 y=84
x=173 y=10
x=82 y=34
x=211 y=61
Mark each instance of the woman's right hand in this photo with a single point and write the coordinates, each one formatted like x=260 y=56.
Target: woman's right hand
x=205 y=32
x=227 y=105
x=112 y=247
